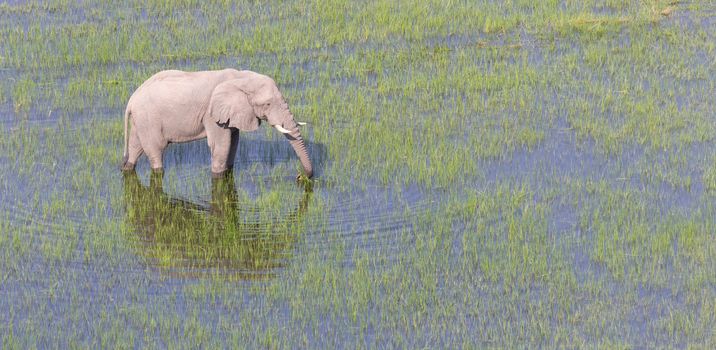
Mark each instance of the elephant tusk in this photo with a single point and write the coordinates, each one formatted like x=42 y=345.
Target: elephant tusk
x=301 y=123
x=281 y=129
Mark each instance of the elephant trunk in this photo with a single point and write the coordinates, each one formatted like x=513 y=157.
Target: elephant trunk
x=299 y=147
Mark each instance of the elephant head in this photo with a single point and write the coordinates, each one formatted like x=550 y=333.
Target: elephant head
x=191 y=239
x=244 y=102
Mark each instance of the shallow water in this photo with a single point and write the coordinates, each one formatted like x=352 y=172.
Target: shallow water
x=600 y=232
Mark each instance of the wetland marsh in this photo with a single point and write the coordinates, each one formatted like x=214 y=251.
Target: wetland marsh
x=487 y=174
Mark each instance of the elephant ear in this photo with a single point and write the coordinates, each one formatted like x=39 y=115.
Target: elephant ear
x=230 y=106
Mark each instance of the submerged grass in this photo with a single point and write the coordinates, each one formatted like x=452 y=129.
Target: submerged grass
x=515 y=174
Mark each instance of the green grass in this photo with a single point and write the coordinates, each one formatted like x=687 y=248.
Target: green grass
x=518 y=174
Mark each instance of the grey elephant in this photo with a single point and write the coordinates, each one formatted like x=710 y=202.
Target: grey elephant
x=175 y=106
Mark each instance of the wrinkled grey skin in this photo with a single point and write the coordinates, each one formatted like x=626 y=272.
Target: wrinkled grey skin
x=176 y=106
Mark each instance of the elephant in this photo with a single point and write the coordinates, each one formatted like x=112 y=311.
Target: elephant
x=188 y=239
x=175 y=106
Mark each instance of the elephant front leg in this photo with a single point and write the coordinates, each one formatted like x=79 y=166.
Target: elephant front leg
x=232 y=149
x=219 y=141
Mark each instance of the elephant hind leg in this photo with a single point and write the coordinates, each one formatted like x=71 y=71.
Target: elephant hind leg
x=134 y=151
x=155 y=158
x=153 y=144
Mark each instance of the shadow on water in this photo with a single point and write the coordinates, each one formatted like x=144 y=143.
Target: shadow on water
x=252 y=150
x=187 y=239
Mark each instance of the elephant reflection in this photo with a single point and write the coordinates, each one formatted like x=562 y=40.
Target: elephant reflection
x=218 y=237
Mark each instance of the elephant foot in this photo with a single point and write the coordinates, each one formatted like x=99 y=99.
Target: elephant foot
x=156 y=179
x=221 y=174
x=158 y=171
x=128 y=167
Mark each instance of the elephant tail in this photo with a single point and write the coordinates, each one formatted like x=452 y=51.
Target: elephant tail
x=125 y=156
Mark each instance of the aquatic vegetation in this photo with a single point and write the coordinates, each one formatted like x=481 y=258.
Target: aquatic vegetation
x=488 y=174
